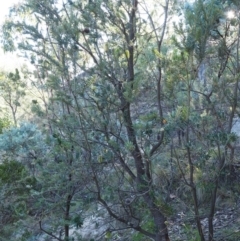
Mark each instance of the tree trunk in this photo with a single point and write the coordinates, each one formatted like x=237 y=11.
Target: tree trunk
x=67 y=217
x=144 y=186
x=159 y=220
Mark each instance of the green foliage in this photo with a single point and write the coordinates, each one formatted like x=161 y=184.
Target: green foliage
x=191 y=233
x=139 y=237
x=12 y=90
x=11 y=172
x=4 y=123
x=127 y=112
x=222 y=138
x=201 y=19
x=165 y=207
x=77 y=221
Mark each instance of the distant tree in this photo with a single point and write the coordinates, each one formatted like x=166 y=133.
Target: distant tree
x=12 y=89
x=4 y=123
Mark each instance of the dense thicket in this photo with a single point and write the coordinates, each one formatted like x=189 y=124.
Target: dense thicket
x=132 y=118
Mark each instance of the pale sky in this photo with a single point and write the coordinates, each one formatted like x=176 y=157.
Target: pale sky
x=4 y=8
x=8 y=61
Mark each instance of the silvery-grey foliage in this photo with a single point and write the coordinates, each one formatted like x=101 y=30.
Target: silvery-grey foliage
x=23 y=142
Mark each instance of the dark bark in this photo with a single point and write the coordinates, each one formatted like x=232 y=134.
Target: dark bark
x=49 y=233
x=143 y=175
x=214 y=195
x=67 y=217
x=142 y=183
x=212 y=212
x=194 y=194
x=159 y=220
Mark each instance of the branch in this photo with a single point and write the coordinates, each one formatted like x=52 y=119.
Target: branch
x=112 y=214
x=48 y=233
x=155 y=147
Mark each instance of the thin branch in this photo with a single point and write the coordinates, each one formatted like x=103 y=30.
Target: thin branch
x=48 y=233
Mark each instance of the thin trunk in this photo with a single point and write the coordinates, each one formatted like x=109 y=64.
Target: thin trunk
x=212 y=212
x=13 y=110
x=214 y=195
x=191 y=165
x=195 y=198
x=143 y=185
x=159 y=46
x=67 y=217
